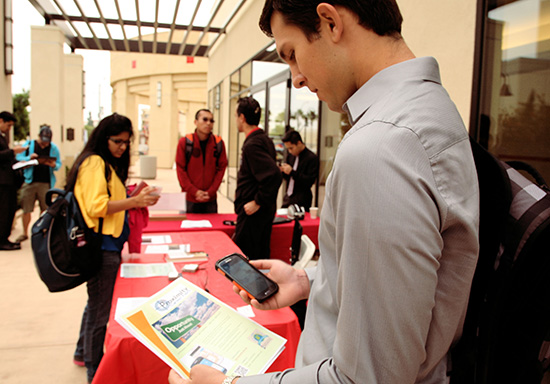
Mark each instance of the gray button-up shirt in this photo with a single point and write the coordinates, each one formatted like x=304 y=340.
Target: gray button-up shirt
x=398 y=238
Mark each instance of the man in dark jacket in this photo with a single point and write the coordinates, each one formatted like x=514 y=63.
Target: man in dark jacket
x=200 y=162
x=258 y=183
x=300 y=170
x=8 y=182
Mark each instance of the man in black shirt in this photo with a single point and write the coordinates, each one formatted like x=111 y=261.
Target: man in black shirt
x=40 y=178
x=300 y=170
x=8 y=187
x=258 y=183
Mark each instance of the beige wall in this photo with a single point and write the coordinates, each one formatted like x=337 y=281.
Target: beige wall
x=5 y=80
x=47 y=80
x=134 y=79
x=242 y=41
x=56 y=92
x=446 y=31
x=72 y=100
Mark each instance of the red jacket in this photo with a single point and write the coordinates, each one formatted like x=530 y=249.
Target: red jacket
x=197 y=175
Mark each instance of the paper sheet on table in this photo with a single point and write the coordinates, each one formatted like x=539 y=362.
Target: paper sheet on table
x=170 y=202
x=156 y=239
x=129 y=270
x=196 y=224
x=168 y=248
x=282 y=211
x=182 y=324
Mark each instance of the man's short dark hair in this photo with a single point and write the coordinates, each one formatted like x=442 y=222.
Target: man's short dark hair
x=251 y=110
x=202 y=110
x=6 y=116
x=292 y=137
x=381 y=16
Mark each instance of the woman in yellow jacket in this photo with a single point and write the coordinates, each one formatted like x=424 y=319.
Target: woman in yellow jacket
x=98 y=177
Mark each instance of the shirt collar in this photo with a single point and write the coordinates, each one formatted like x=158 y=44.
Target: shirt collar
x=254 y=130
x=385 y=81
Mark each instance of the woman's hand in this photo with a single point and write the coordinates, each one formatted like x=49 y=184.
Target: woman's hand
x=146 y=197
x=293 y=285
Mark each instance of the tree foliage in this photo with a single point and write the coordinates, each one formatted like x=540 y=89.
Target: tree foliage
x=22 y=125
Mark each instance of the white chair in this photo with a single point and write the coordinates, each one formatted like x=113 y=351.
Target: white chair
x=307 y=250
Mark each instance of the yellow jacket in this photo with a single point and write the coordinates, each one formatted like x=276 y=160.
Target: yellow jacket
x=91 y=193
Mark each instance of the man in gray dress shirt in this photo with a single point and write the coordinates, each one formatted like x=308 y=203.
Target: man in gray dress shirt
x=399 y=227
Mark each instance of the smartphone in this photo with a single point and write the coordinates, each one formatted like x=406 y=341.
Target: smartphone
x=157 y=190
x=205 y=361
x=245 y=276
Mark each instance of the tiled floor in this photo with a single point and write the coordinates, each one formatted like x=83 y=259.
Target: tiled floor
x=39 y=329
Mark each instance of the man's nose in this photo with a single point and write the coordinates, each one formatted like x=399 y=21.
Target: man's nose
x=298 y=80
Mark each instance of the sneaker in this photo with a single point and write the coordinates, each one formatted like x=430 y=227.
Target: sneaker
x=78 y=360
x=21 y=238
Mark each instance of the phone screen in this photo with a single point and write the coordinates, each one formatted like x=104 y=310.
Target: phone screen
x=239 y=270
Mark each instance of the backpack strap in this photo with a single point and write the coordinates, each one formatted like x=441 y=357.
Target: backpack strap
x=218 y=149
x=529 y=210
x=523 y=166
x=189 y=148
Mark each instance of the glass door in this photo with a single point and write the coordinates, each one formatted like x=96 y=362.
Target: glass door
x=514 y=107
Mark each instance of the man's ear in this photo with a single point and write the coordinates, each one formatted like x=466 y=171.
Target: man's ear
x=330 y=20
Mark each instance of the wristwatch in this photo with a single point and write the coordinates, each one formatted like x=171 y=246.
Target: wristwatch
x=229 y=379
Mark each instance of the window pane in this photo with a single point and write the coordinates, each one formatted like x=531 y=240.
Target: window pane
x=263 y=70
x=515 y=104
x=277 y=116
x=304 y=115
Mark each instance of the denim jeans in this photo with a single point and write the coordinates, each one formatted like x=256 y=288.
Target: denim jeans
x=96 y=314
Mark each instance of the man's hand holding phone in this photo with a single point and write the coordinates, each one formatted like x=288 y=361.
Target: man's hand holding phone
x=293 y=285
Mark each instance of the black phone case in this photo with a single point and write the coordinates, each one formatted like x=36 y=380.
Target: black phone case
x=217 y=267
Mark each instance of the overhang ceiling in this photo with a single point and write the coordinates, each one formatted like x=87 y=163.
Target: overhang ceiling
x=176 y=27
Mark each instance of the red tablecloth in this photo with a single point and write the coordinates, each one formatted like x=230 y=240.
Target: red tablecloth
x=127 y=361
x=281 y=234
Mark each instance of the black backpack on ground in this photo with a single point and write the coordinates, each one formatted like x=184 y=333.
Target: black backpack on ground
x=508 y=317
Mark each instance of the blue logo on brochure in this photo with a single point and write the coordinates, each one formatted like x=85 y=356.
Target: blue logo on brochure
x=162 y=305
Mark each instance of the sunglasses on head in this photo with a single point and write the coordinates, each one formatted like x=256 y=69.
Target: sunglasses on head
x=120 y=141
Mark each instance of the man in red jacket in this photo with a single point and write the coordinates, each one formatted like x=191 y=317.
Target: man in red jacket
x=200 y=162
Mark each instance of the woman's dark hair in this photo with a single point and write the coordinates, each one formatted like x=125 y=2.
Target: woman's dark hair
x=251 y=110
x=381 y=16
x=98 y=144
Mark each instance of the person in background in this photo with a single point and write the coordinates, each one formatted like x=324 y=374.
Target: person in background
x=300 y=171
x=258 y=183
x=398 y=234
x=40 y=178
x=200 y=162
x=98 y=177
x=9 y=183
